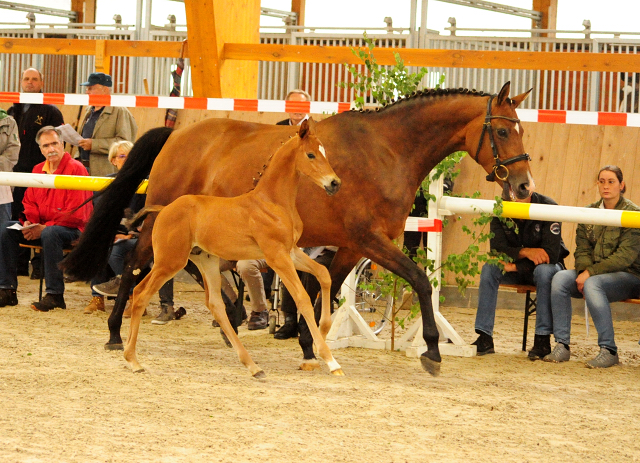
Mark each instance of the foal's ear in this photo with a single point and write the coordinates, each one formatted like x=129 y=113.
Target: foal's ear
x=520 y=98
x=304 y=129
x=504 y=93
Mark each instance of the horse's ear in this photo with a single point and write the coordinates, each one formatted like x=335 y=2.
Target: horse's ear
x=504 y=93
x=304 y=129
x=520 y=98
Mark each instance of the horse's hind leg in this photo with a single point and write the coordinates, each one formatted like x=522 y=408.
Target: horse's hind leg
x=139 y=257
x=150 y=285
x=284 y=267
x=209 y=266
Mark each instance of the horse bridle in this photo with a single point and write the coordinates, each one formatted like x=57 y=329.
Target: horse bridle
x=500 y=164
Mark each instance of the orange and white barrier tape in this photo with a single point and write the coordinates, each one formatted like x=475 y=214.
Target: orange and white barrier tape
x=279 y=106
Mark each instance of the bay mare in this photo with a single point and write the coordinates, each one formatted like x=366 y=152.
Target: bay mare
x=260 y=224
x=381 y=156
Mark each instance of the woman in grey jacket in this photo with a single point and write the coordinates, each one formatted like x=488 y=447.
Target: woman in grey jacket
x=9 y=151
x=607 y=270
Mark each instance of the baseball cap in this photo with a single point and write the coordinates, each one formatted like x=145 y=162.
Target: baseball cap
x=98 y=78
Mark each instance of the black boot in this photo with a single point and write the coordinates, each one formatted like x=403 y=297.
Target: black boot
x=289 y=329
x=541 y=347
x=49 y=302
x=8 y=297
x=484 y=344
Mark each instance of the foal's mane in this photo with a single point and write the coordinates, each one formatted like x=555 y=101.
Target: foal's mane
x=426 y=93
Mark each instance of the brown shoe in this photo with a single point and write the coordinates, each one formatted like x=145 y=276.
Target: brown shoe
x=258 y=320
x=97 y=303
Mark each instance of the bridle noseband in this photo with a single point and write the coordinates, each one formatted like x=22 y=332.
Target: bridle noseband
x=500 y=164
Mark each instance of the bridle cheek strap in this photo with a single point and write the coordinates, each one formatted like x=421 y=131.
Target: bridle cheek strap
x=500 y=169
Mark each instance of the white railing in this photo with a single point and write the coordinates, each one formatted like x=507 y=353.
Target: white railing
x=557 y=90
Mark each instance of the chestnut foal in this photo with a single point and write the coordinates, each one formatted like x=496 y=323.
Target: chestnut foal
x=261 y=224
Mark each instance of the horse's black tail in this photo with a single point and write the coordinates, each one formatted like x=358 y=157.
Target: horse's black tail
x=92 y=251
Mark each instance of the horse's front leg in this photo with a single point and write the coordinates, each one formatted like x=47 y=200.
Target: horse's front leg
x=304 y=263
x=342 y=263
x=384 y=252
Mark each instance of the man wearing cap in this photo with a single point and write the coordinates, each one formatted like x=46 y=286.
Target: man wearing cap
x=101 y=126
x=30 y=118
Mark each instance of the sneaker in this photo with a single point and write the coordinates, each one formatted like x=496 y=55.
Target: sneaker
x=166 y=315
x=541 y=347
x=8 y=297
x=96 y=303
x=110 y=288
x=604 y=359
x=49 y=302
x=258 y=320
x=560 y=354
x=484 y=344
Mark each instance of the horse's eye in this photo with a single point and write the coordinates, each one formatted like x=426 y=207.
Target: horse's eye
x=311 y=155
x=503 y=133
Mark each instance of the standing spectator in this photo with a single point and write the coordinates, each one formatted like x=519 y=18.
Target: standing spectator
x=290 y=327
x=607 y=270
x=52 y=222
x=30 y=118
x=538 y=253
x=102 y=126
x=9 y=151
x=297 y=117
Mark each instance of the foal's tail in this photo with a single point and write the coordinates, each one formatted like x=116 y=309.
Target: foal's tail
x=137 y=219
x=92 y=252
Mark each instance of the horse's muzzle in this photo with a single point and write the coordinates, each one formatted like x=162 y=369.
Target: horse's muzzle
x=333 y=187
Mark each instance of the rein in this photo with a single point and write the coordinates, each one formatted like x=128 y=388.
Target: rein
x=500 y=164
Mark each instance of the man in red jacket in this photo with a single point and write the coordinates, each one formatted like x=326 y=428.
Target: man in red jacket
x=48 y=221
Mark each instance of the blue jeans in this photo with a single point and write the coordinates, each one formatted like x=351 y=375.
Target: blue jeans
x=599 y=291
x=53 y=240
x=5 y=212
x=117 y=258
x=490 y=279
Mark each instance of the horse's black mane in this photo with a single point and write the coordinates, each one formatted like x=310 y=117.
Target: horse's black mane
x=430 y=92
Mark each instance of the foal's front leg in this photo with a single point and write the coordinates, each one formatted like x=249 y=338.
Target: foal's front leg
x=282 y=264
x=306 y=264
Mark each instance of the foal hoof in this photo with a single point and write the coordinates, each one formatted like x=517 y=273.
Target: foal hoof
x=431 y=367
x=338 y=372
x=260 y=374
x=310 y=365
x=139 y=370
x=115 y=346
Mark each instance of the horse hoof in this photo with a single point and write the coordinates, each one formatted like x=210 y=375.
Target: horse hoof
x=431 y=367
x=139 y=370
x=260 y=374
x=338 y=372
x=310 y=365
x=115 y=346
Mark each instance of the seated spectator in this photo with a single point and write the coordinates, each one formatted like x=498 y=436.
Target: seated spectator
x=124 y=242
x=9 y=152
x=607 y=270
x=102 y=126
x=52 y=223
x=538 y=253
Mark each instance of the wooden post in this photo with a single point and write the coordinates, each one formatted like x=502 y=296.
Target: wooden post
x=549 y=10
x=103 y=60
x=298 y=6
x=86 y=10
x=211 y=23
